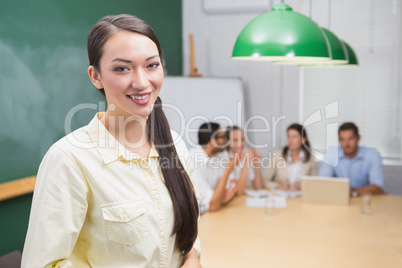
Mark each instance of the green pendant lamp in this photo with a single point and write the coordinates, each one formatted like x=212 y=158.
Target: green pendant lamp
x=338 y=51
x=281 y=35
x=351 y=55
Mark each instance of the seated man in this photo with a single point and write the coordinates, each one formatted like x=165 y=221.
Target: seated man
x=361 y=165
x=212 y=174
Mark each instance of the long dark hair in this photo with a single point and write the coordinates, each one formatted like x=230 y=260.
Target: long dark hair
x=306 y=144
x=176 y=179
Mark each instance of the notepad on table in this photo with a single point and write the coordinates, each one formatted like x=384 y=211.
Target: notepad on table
x=280 y=202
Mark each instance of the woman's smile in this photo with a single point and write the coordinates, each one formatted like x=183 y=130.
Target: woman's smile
x=140 y=99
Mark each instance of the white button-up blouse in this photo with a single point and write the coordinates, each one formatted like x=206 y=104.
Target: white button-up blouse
x=96 y=204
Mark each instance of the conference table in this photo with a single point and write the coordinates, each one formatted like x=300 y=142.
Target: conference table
x=303 y=235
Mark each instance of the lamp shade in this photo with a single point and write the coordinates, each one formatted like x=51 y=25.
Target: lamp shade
x=338 y=51
x=351 y=54
x=339 y=54
x=281 y=35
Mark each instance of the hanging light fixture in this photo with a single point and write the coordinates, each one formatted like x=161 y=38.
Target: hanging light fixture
x=351 y=54
x=281 y=35
x=338 y=51
x=342 y=54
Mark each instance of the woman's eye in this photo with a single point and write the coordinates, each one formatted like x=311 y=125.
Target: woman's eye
x=120 y=69
x=153 y=65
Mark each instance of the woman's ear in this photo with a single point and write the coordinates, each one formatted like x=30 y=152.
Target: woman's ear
x=95 y=77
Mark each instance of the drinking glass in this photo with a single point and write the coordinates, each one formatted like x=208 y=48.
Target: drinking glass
x=292 y=191
x=270 y=204
x=366 y=204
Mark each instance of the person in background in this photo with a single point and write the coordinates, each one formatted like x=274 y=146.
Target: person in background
x=361 y=165
x=212 y=174
x=289 y=164
x=248 y=172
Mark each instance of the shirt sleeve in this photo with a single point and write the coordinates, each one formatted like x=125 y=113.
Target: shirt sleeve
x=269 y=172
x=58 y=211
x=251 y=174
x=376 y=173
x=206 y=193
x=328 y=164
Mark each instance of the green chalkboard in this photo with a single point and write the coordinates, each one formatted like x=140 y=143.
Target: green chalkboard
x=43 y=63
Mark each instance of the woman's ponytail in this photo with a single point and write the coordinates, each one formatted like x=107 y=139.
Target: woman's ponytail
x=177 y=181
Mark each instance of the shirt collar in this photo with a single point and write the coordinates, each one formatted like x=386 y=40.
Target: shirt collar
x=301 y=156
x=108 y=147
x=359 y=155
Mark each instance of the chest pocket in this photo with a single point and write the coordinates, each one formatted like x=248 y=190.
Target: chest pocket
x=126 y=222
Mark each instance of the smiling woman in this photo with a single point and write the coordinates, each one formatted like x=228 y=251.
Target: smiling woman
x=129 y=73
x=127 y=200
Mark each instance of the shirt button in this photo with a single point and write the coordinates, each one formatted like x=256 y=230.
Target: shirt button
x=125 y=215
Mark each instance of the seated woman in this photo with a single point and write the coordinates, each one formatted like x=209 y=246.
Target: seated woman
x=248 y=171
x=289 y=164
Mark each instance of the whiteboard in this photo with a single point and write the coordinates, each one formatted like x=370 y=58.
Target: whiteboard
x=189 y=102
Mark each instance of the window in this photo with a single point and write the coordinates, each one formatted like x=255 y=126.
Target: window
x=369 y=95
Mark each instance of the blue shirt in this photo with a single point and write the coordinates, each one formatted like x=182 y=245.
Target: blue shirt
x=364 y=169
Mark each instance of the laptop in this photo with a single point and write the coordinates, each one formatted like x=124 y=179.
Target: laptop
x=325 y=190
